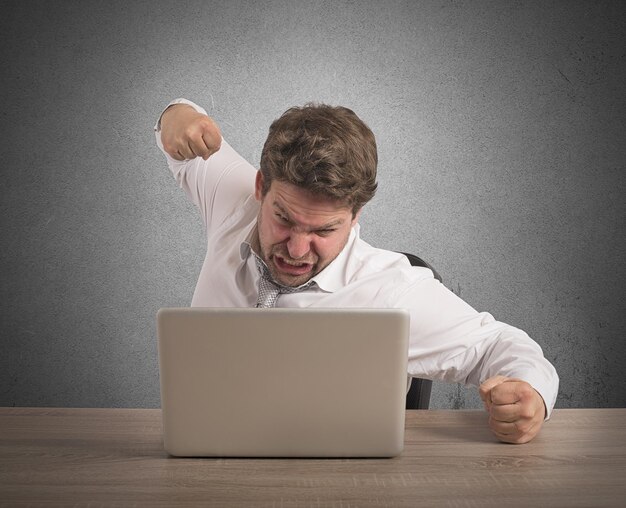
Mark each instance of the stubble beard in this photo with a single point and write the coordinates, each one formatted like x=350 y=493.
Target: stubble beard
x=268 y=256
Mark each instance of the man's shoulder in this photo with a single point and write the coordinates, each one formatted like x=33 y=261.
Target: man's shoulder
x=366 y=260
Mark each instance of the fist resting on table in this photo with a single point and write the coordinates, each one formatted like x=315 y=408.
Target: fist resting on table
x=516 y=410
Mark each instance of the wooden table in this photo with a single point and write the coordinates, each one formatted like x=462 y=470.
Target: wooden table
x=114 y=457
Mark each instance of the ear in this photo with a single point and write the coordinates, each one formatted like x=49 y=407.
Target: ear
x=356 y=218
x=258 y=186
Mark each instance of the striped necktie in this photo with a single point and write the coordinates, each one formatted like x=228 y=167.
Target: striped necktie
x=269 y=290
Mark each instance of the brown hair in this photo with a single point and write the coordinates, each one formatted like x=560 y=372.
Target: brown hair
x=326 y=150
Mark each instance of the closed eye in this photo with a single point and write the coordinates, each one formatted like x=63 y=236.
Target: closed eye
x=282 y=218
x=324 y=232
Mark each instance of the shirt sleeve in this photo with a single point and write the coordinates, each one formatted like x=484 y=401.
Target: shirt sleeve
x=216 y=185
x=451 y=341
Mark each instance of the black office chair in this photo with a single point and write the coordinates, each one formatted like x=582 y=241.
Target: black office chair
x=418 y=396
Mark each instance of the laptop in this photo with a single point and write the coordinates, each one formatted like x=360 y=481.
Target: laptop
x=283 y=382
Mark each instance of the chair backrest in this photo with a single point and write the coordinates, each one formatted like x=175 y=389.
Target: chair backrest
x=418 y=396
x=418 y=261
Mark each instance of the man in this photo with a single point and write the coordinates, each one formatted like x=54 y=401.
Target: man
x=288 y=236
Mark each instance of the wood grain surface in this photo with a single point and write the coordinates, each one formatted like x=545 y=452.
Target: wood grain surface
x=114 y=457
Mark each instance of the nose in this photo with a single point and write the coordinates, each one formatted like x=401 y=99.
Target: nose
x=298 y=245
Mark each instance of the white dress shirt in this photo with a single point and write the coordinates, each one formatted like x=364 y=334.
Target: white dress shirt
x=449 y=340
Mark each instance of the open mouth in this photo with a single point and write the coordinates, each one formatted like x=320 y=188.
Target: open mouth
x=292 y=267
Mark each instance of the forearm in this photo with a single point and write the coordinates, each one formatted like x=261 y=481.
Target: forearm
x=453 y=342
x=200 y=177
x=510 y=352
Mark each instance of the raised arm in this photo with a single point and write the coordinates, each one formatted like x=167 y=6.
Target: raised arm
x=212 y=174
x=187 y=134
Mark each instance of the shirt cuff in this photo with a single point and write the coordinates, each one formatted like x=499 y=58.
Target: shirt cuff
x=547 y=388
x=199 y=109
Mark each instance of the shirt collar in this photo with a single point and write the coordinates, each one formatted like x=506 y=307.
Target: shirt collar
x=245 y=249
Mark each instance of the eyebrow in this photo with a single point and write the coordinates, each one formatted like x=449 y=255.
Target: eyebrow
x=328 y=225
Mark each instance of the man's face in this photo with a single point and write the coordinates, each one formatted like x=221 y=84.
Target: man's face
x=299 y=233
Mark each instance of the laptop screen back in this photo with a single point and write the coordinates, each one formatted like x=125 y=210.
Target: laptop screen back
x=283 y=382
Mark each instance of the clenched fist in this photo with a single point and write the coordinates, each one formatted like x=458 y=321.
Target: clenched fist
x=516 y=409
x=187 y=134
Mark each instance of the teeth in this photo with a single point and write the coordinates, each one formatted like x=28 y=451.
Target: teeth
x=293 y=263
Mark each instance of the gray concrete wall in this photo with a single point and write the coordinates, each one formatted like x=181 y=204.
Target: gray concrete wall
x=501 y=134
